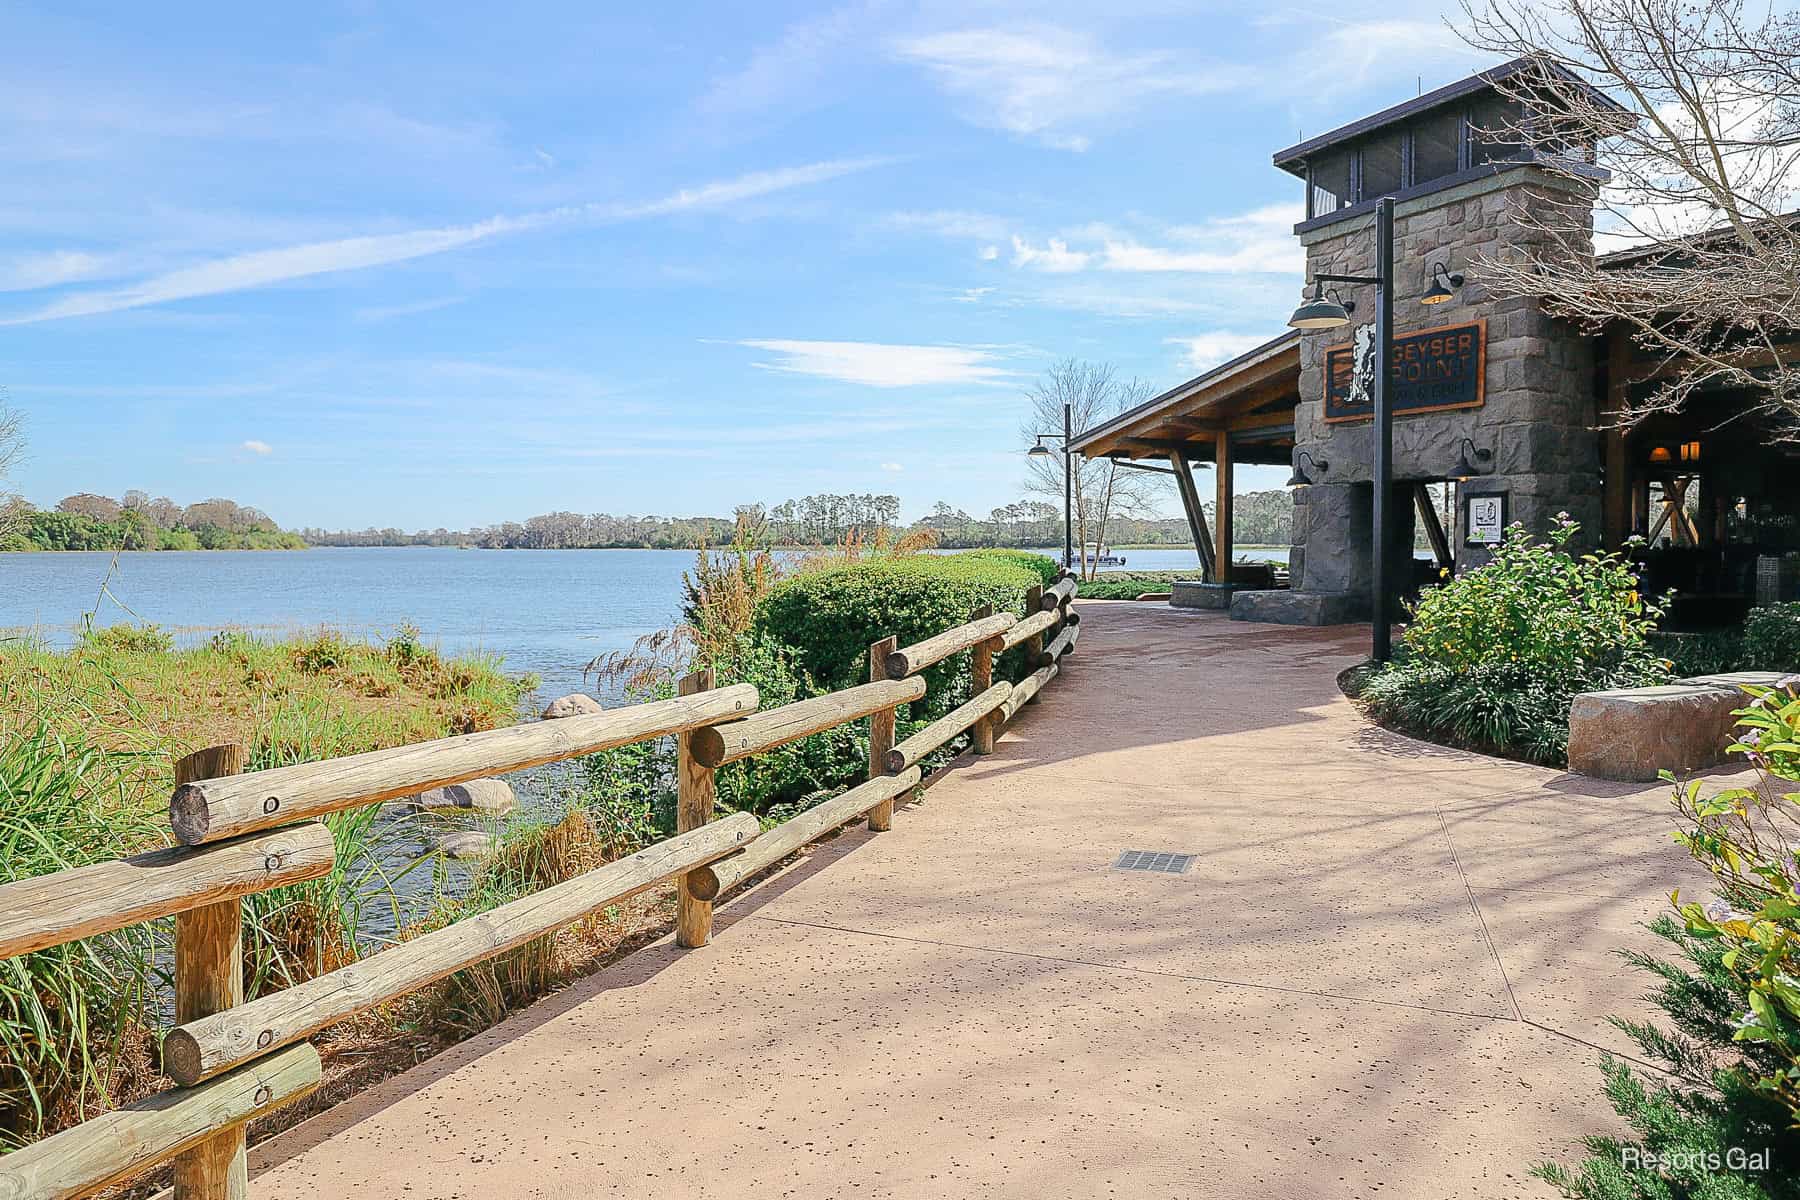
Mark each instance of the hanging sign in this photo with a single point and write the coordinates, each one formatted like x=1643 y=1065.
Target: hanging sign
x=1431 y=370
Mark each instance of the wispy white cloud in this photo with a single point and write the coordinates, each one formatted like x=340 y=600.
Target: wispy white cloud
x=380 y=312
x=879 y=364
x=264 y=267
x=52 y=268
x=778 y=72
x=1050 y=84
x=1054 y=255
x=893 y=466
x=1258 y=242
x=952 y=223
x=1207 y=350
x=253 y=446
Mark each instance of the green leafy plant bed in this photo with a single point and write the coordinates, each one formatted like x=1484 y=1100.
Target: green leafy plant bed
x=1720 y=1117
x=1492 y=658
x=1129 y=585
x=1768 y=640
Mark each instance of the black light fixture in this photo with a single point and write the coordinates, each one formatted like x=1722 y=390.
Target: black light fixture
x=1300 y=478
x=1321 y=311
x=1039 y=450
x=1467 y=455
x=1443 y=281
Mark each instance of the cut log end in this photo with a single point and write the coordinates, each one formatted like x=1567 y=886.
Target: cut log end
x=894 y=762
x=898 y=666
x=189 y=815
x=707 y=745
x=181 y=1058
x=703 y=883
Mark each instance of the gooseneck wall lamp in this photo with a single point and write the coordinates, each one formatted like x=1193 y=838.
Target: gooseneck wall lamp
x=1319 y=311
x=1467 y=455
x=1300 y=477
x=1443 y=284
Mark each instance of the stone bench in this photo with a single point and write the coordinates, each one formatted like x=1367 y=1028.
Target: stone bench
x=1630 y=734
x=1195 y=593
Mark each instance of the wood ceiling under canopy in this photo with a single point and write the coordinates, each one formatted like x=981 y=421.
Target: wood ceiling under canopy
x=1250 y=400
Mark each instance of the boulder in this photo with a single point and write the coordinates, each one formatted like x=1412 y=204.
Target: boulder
x=1633 y=734
x=468 y=844
x=491 y=796
x=575 y=704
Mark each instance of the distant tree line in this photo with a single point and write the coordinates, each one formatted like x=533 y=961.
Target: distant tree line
x=823 y=519
x=139 y=521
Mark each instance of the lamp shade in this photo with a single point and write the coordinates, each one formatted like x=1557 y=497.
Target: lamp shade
x=1039 y=451
x=1319 y=312
x=1463 y=470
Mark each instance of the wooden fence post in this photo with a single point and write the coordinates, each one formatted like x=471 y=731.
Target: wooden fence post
x=209 y=978
x=981 y=678
x=1034 y=645
x=696 y=798
x=881 y=732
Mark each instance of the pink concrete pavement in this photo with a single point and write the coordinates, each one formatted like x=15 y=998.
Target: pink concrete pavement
x=1388 y=973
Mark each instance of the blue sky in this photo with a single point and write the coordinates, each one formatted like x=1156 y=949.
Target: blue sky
x=442 y=264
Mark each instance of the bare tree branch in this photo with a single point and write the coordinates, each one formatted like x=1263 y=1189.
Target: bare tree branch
x=1694 y=219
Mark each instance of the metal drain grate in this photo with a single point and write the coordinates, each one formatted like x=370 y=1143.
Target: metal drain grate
x=1154 y=860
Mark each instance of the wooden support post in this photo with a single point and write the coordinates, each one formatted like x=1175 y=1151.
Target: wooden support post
x=1222 y=507
x=1618 y=480
x=696 y=796
x=881 y=733
x=1034 y=646
x=1196 y=516
x=981 y=678
x=209 y=978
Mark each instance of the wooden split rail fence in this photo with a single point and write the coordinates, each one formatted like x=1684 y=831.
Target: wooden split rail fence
x=242 y=833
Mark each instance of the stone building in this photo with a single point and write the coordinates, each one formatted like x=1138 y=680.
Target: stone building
x=1492 y=397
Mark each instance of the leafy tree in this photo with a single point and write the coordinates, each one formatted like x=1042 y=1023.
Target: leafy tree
x=87 y=504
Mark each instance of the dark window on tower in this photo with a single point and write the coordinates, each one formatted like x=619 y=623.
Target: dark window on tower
x=1330 y=183
x=1436 y=139
x=1381 y=165
x=1497 y=132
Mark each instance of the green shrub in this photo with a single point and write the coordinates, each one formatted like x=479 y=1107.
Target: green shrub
x=1046 y=567
x=827 y=620
x=1129 y=585
x=129 y=639
x=1703 y=1127
x=1709 y=652
x=1772 y=638
x=1494 y=657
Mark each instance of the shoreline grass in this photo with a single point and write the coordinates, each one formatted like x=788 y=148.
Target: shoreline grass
x=88 y=741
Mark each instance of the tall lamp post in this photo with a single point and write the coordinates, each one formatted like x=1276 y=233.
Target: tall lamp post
x=1039 y=450
x=1323 y=312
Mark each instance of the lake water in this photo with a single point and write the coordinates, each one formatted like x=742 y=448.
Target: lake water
x=546 y=611
x=549 y=612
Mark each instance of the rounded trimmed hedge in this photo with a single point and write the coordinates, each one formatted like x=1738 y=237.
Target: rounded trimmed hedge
x=826 y=620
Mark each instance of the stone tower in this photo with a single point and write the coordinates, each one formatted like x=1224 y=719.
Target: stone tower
x=1517 y=384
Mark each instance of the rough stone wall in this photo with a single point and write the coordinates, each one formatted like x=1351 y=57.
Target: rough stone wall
x=1540 y=412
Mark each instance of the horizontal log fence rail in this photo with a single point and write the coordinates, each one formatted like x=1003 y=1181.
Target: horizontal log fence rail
x=243 y=833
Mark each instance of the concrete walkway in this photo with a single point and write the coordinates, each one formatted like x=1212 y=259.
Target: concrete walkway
x=1387 y=974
